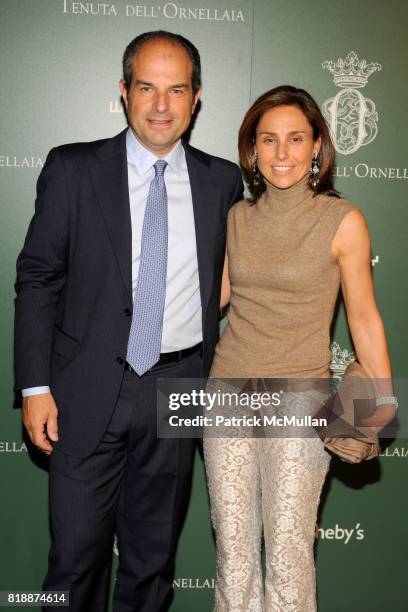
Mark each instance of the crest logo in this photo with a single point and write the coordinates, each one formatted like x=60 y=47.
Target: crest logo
x=352 y=117
x=341 y=358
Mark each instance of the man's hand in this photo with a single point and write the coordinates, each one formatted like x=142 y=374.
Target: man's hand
x=40 y=420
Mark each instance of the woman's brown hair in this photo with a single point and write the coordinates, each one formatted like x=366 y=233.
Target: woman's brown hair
x=286 y=95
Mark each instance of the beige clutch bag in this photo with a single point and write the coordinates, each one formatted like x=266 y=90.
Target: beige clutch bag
x=353 y=450
x=345 y=435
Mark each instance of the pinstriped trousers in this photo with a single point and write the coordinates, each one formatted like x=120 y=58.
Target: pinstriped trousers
x=134 y=484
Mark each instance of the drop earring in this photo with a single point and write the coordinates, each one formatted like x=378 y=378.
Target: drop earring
x=256 y=175
x=315 y=171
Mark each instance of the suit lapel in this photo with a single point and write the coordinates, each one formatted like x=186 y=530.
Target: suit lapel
x=110 y=179
x=205 y=196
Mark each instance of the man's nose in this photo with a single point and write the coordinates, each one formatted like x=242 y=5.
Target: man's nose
x=161 y=102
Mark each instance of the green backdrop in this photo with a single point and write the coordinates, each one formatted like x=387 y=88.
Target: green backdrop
x=60 y=63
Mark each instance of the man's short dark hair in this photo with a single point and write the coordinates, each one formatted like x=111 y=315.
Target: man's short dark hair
x=177 y=39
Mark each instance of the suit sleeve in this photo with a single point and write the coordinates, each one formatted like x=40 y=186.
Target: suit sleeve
x=237 y=193
x=41 y=273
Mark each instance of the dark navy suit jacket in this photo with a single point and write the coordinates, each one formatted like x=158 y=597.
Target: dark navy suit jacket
x=74 y=278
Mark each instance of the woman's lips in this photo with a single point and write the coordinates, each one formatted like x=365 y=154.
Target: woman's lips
x=282 y=169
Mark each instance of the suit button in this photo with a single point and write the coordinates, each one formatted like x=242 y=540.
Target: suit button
x=120 y=360
x=128 y=312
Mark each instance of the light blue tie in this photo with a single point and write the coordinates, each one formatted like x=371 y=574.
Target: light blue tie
x=148 y=303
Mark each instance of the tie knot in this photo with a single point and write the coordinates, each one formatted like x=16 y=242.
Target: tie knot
x=160 y=167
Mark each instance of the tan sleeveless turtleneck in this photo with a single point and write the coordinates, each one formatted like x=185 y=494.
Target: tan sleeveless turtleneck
x=284 y=284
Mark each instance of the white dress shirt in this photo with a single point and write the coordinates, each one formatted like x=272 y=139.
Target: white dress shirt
x=182 y=325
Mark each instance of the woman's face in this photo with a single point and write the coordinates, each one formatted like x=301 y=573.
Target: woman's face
x=285 y=147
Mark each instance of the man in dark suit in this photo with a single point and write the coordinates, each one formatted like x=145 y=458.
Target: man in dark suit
x=118 y=284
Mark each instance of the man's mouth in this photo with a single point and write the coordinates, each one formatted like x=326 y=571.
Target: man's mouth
x=160 y=122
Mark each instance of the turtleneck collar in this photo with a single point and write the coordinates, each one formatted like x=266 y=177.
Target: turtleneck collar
x=286 y=199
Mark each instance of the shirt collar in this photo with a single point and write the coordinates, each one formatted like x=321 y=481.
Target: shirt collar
x=143 y=159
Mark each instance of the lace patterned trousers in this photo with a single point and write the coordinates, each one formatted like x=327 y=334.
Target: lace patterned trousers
x=271 y=485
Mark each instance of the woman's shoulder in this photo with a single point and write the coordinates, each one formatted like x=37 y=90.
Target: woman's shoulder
x=240 y=204
x=334 y=206
x=333 y=210
x=239 y=208
x=335 y=202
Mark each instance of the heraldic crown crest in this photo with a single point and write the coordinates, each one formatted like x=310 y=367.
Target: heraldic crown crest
x=341 y=358
x=351 y=72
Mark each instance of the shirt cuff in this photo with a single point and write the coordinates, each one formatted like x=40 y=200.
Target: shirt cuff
x=34 y=391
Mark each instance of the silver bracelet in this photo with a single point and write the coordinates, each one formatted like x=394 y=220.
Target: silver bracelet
x=387 y=399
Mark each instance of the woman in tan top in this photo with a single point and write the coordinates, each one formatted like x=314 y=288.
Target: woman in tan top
x=289 y=247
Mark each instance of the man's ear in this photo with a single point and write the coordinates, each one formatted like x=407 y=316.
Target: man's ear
x=123 y=92
x=196 y=98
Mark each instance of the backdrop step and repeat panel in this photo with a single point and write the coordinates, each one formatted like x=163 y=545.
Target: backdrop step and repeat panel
x=61 y=61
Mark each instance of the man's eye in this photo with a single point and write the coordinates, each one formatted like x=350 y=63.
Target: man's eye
x=177 y=92
x=145 y=88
